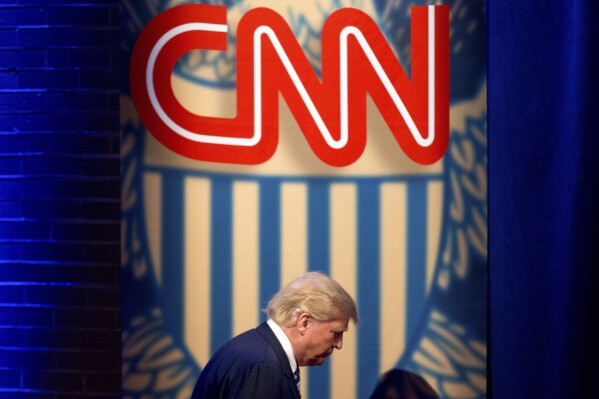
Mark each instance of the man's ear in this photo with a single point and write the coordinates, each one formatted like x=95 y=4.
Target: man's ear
x=303 y=323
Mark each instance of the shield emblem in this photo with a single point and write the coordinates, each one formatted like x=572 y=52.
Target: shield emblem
x=206 y=245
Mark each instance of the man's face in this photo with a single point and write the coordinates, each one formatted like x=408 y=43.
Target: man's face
x=320 y=339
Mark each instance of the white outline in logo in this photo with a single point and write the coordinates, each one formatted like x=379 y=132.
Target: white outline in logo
x=265 y=30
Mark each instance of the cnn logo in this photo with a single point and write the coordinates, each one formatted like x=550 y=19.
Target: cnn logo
x=331 y=111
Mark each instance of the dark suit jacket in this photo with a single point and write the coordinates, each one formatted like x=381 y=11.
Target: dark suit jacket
x=253 y=365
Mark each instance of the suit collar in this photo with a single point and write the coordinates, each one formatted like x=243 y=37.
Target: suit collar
x=265 y=331
x=285 y=343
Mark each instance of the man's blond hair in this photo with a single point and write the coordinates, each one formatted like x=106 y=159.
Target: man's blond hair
x=314 y=293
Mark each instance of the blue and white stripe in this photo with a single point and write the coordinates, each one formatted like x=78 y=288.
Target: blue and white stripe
x=223 y=244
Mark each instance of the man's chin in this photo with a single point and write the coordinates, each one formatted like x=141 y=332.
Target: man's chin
x=318 y=361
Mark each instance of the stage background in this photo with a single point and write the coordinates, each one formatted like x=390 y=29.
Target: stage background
x=206 y=245
x=542 y=188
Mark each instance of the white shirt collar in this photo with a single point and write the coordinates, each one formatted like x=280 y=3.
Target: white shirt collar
x=285 y=343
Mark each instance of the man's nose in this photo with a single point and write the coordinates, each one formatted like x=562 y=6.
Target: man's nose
x=338 y=343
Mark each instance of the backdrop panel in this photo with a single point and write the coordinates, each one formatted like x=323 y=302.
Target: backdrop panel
x=206 y=244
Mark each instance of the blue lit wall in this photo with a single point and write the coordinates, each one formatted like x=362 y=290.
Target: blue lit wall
x=59 y=199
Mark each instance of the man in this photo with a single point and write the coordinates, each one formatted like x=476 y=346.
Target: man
x=307 y=319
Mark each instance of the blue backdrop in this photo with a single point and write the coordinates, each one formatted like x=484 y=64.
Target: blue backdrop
x=206 y=245
x=543 y=63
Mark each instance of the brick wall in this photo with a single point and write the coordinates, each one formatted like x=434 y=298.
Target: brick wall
x=59 y=199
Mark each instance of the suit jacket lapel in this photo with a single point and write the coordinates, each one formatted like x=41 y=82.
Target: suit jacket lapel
x=264 y=330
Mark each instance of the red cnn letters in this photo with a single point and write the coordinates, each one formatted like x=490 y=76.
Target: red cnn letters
x=330 y=111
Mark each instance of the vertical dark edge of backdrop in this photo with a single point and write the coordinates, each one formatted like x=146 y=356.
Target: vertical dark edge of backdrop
x=543 y=118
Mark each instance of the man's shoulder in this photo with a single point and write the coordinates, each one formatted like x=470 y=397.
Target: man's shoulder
x=255 y=334
x=253 y=359
x=252 y=344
